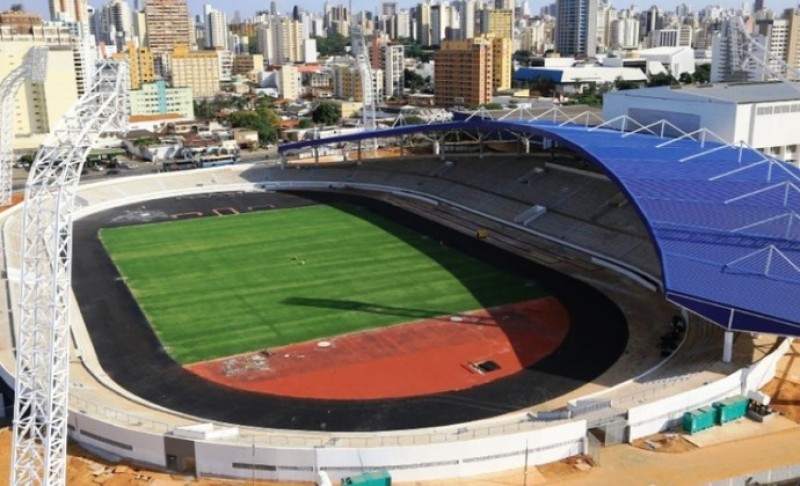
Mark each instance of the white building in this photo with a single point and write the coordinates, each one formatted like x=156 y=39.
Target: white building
x=157 y=99
x=289 y=82
x=674 y=60
x=216 y=24
x=763 y=115
x=39 y=107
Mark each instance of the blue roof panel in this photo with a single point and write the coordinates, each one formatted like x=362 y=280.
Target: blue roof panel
x=724 y=220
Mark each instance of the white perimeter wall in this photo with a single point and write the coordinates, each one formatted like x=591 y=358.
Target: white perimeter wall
x=660 y=415
x=406 y=463
x=141 y=447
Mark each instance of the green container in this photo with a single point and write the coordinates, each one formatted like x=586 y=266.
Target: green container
x=698 y=420
x=731 y=409
x=376 y=478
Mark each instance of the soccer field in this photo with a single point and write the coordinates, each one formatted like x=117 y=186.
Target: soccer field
x=219 y=286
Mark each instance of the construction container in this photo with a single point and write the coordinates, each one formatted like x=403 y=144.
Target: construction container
x=731 y=409
x=698 y=420
x=376 y=478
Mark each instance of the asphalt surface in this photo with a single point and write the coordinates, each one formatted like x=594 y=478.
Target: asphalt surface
x=131 y=354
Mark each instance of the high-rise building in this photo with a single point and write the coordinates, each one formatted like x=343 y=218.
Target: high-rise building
x=113 y=24
x=168 y=26
x=198 y=70
x=289 y=82
x=288 y=41
x=467 y=9
x=216 y=29
x=70 y=11
x=502 y=67
x=500 y=23
x=576 y=28
x=38 y=107
x=347 y=79
x=463 y=71
x=423 y=19
x=167 y=23
x=792 y=16
x=155 y=98
x=142 y=67
x=390 y=58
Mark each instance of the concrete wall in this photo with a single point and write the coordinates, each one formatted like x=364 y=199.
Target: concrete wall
x=405 y=463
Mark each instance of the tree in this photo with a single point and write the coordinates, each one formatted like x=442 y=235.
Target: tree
x=333 y=45
x=325 y=114
x=305 y=123
x=622 y=84
x=411 y=49
x=702 y=74
x=252 y=48
x=263 y=120
x=412 y=81
x=493 y=106
x=523 y=56
x=17 y=7
x=685 y=78
x=662 y=79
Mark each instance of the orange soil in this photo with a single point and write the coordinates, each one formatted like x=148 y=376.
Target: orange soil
x=418 y=358
x=15 y=199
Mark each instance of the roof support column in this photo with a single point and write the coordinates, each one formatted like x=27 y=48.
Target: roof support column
x=727 y=348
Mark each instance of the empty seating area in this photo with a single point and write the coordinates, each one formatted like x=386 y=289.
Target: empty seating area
x=582 y=209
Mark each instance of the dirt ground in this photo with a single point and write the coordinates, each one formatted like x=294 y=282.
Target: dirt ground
x=785 y=397
x=666 y=442
x=565 y=468
x=85 y=468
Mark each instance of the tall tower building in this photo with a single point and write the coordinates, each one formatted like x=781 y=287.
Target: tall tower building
x=216 y=29
x=167 y=23
x=467 y=9
x=424 y=35
x=576 y=28
x=463 y=70
x=70 y=11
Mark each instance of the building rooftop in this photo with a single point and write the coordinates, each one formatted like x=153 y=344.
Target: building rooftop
x=739 y=93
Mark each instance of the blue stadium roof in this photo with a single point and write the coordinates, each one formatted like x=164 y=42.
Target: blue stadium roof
x=724 y=220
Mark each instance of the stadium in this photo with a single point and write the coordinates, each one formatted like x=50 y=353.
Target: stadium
x=498 y=294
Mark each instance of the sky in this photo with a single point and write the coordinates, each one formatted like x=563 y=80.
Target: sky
x=248 y=7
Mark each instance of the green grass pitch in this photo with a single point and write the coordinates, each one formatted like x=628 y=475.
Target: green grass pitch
x=219 y=286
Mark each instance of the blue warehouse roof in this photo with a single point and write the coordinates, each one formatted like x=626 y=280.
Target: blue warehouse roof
x=725 y=221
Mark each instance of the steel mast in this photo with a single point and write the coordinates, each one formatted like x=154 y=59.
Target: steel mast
x=43 y=344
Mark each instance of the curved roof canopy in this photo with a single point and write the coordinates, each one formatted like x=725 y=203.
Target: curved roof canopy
x=725 y=220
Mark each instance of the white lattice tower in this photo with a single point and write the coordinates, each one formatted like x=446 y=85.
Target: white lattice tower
x=359 y=49
x=33 y=69
x=43 y=344
x=751 y=56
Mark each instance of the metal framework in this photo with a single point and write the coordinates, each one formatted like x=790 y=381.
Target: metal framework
x=43 y=346
x=359 y=48
x=33 y=69
x=750 y=56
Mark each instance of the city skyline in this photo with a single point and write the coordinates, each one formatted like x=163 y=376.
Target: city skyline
x=248 y=8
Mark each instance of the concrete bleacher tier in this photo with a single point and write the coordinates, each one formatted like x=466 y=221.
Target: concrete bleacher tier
x=582 y=208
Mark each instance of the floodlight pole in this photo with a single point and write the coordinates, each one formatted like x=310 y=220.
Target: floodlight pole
x=39 y=454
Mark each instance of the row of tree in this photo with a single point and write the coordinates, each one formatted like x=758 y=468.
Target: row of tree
x=259 y=115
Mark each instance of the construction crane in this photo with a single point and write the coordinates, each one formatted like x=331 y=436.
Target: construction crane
x=32 y=70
